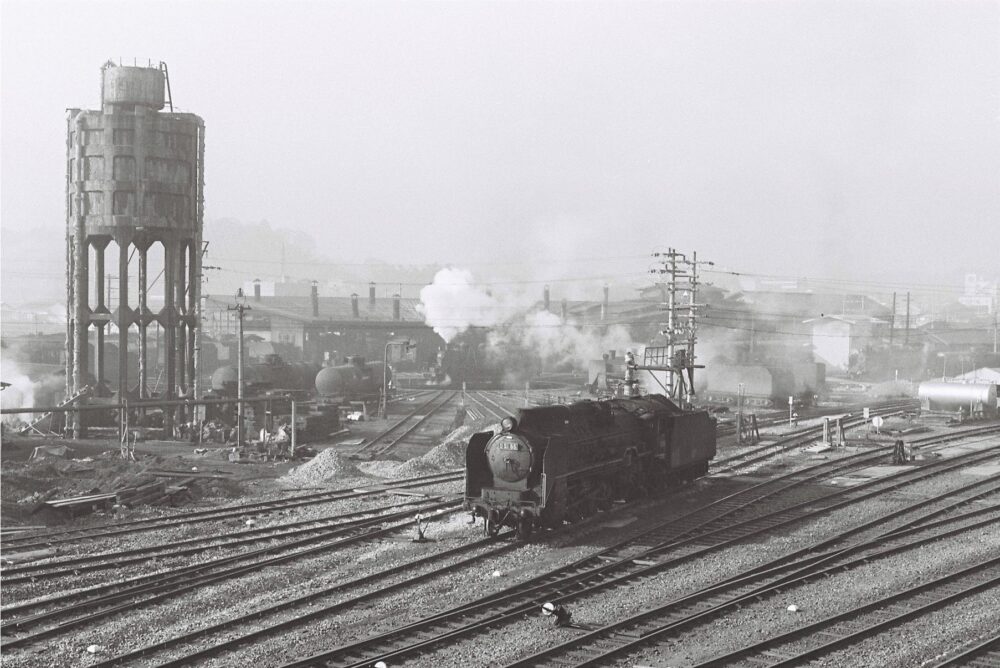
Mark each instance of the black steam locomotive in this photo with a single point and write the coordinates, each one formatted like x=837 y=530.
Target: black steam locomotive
x=557 y=463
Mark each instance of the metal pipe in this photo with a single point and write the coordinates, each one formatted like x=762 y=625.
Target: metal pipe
x=149 y=403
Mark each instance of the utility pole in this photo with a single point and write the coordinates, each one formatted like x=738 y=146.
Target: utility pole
x=240 y=307
x=906 y=339
x=892 y=319
x=681 y=290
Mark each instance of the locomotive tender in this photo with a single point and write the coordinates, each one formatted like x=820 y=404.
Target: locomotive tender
x=556 y=463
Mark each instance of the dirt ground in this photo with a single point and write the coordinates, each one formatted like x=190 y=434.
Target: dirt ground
x=94 y=466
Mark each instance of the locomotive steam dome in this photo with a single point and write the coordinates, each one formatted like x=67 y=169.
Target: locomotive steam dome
x=509 y=457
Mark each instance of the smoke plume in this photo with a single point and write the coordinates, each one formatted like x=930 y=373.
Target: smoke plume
x=522 y=337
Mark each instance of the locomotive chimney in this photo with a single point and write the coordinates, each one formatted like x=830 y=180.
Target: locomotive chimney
x=354 y=305
x=545 y=298
x=314 y=295
x=564 y=310
x=604 y=304
x=256 y=289
x=395 y=307
x=371 y=295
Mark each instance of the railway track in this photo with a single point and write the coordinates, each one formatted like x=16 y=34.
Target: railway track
x=797 y=439
x=185 y=548
x=36 y=540
x=823 y=559
x=982 y=654
x=675 y=541
x=109 y=599
x=811 y=641
x=389 y=439
x=487 y=407
x=303 y=609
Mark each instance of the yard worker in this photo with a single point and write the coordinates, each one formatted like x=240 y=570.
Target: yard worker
x=560 y=615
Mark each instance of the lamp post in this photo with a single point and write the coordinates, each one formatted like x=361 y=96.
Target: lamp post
x=240 y=307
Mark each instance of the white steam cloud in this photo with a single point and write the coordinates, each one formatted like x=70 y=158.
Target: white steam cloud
x=519 y=331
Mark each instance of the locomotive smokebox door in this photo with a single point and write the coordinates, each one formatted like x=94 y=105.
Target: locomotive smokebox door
x=509 y=457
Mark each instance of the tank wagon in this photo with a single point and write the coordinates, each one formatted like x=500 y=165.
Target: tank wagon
x=356 y=380
x=320 y=391
x=565 y=462
x=972 y=399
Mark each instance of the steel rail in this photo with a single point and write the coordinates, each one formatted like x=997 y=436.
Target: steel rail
x=309 y=598
x=214 y=514
x=118 y=558
x=844 y=628
x=383 y=448
x=370 y=445
x=785 y=443
x=650 y=626
x=479 y=400
x=581 y=580
x=171 y=583
x=982 y=654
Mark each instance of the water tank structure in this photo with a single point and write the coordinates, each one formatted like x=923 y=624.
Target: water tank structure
x=972 y=398
x=134 y=184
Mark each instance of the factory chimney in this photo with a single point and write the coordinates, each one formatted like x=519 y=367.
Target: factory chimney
x=545 y=297
x=395 y=307
x=256 y=289
x=354 y=305
x=371 y=295
x=314 y=296
x=604 y=304
x=565 y=310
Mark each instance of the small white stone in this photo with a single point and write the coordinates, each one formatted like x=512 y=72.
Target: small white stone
x=94 y=649
x=251 y=523
x=793 y=608
x=194 y=468
x=496 y=574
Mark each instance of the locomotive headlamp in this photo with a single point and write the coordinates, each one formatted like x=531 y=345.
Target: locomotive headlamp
x=508 y=424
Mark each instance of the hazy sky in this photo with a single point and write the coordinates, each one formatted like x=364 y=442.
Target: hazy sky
x=834 y=139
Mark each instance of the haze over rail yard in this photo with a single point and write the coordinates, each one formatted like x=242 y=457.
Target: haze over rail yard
x=575 y=334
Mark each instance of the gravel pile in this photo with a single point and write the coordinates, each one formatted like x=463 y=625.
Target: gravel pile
x=326 y=467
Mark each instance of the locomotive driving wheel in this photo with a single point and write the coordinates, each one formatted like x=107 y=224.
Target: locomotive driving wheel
x=524 y=528
x=492 y=527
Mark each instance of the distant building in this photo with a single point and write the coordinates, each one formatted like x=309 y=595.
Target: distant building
x=836 y=339
x=980 y=294
x=325 y=329
x=984 y=374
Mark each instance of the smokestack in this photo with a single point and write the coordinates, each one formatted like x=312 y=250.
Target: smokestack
x=565 y=310
x=314 y=294
x=604 y=309
x=395 y=307
x=354 y=305
x=256 y=289
x=371 y=294
x=545 y=297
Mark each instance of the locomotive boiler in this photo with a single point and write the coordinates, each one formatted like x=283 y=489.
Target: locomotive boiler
x=555 y=463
